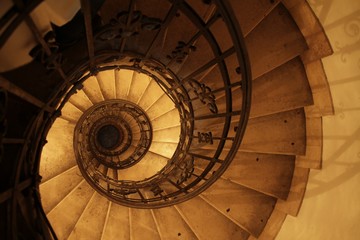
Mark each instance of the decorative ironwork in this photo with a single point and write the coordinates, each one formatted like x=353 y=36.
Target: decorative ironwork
x=204 y=93
x=156 y=190
x=179 y=171
x=118 y=28
x=182 y=50
x=123 y=191
x=205 y=137
x=132 y=193
x=180 y=179
x=183 y=171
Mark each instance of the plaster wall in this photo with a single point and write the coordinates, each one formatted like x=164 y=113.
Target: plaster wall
x=331 y=207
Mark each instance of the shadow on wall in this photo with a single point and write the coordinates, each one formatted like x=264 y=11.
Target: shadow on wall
x=350 y=168
x=341 y=156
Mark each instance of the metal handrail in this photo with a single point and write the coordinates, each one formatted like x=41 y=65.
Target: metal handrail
x=40 y=127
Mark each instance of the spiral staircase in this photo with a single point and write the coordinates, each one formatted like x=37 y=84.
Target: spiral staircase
x=163 y=120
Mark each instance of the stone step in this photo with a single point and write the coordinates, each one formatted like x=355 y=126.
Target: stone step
x=250 y=209
x=65 y=215
x=107 y=84
x=58 y=187
x=117 y=225
x=270 y=174
x=90 y=224
x=208 y=223
x=280 y=133
x=58 y=154
x=142 y=224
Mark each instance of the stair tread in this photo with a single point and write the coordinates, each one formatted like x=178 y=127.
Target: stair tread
x=164 y=149
x=151 y=95
x=90 y=224
x=314 y=145
x=270 y=174
x=57 y=188
x=310 y=26
x=282 y=89
x=273 y=226
x=269 y=47
x=63 y=218
x=160 y=107
x=149 y=165
x=167 y=120
x=123 y=79
x=117 y=226
x=80 y=100
x=172 y=225
x=92 y=90
x=297 y=191
x=280 y=133
x=266 y=173
x=143 y=224
x=106 y=83
x=248 y=207
x=138 y=86
x=323 y=103
x=71 y=112
x=199 y=213
x=250 y=12
x=167 y=135
x=58 y=154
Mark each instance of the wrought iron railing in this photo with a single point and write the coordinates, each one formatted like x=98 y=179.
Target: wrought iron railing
x=208 y=141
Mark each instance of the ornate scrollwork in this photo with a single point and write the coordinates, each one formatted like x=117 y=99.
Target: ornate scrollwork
x=204 y=93
x=205 y=137
x=118 y=27
x=181 y=51
x=156 y=190
x=123 y=191
x=183 y=171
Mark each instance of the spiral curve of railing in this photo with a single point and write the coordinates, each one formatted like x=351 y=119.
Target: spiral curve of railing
x=180 y=179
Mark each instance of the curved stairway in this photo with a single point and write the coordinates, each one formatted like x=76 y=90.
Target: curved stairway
x=267 y=177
